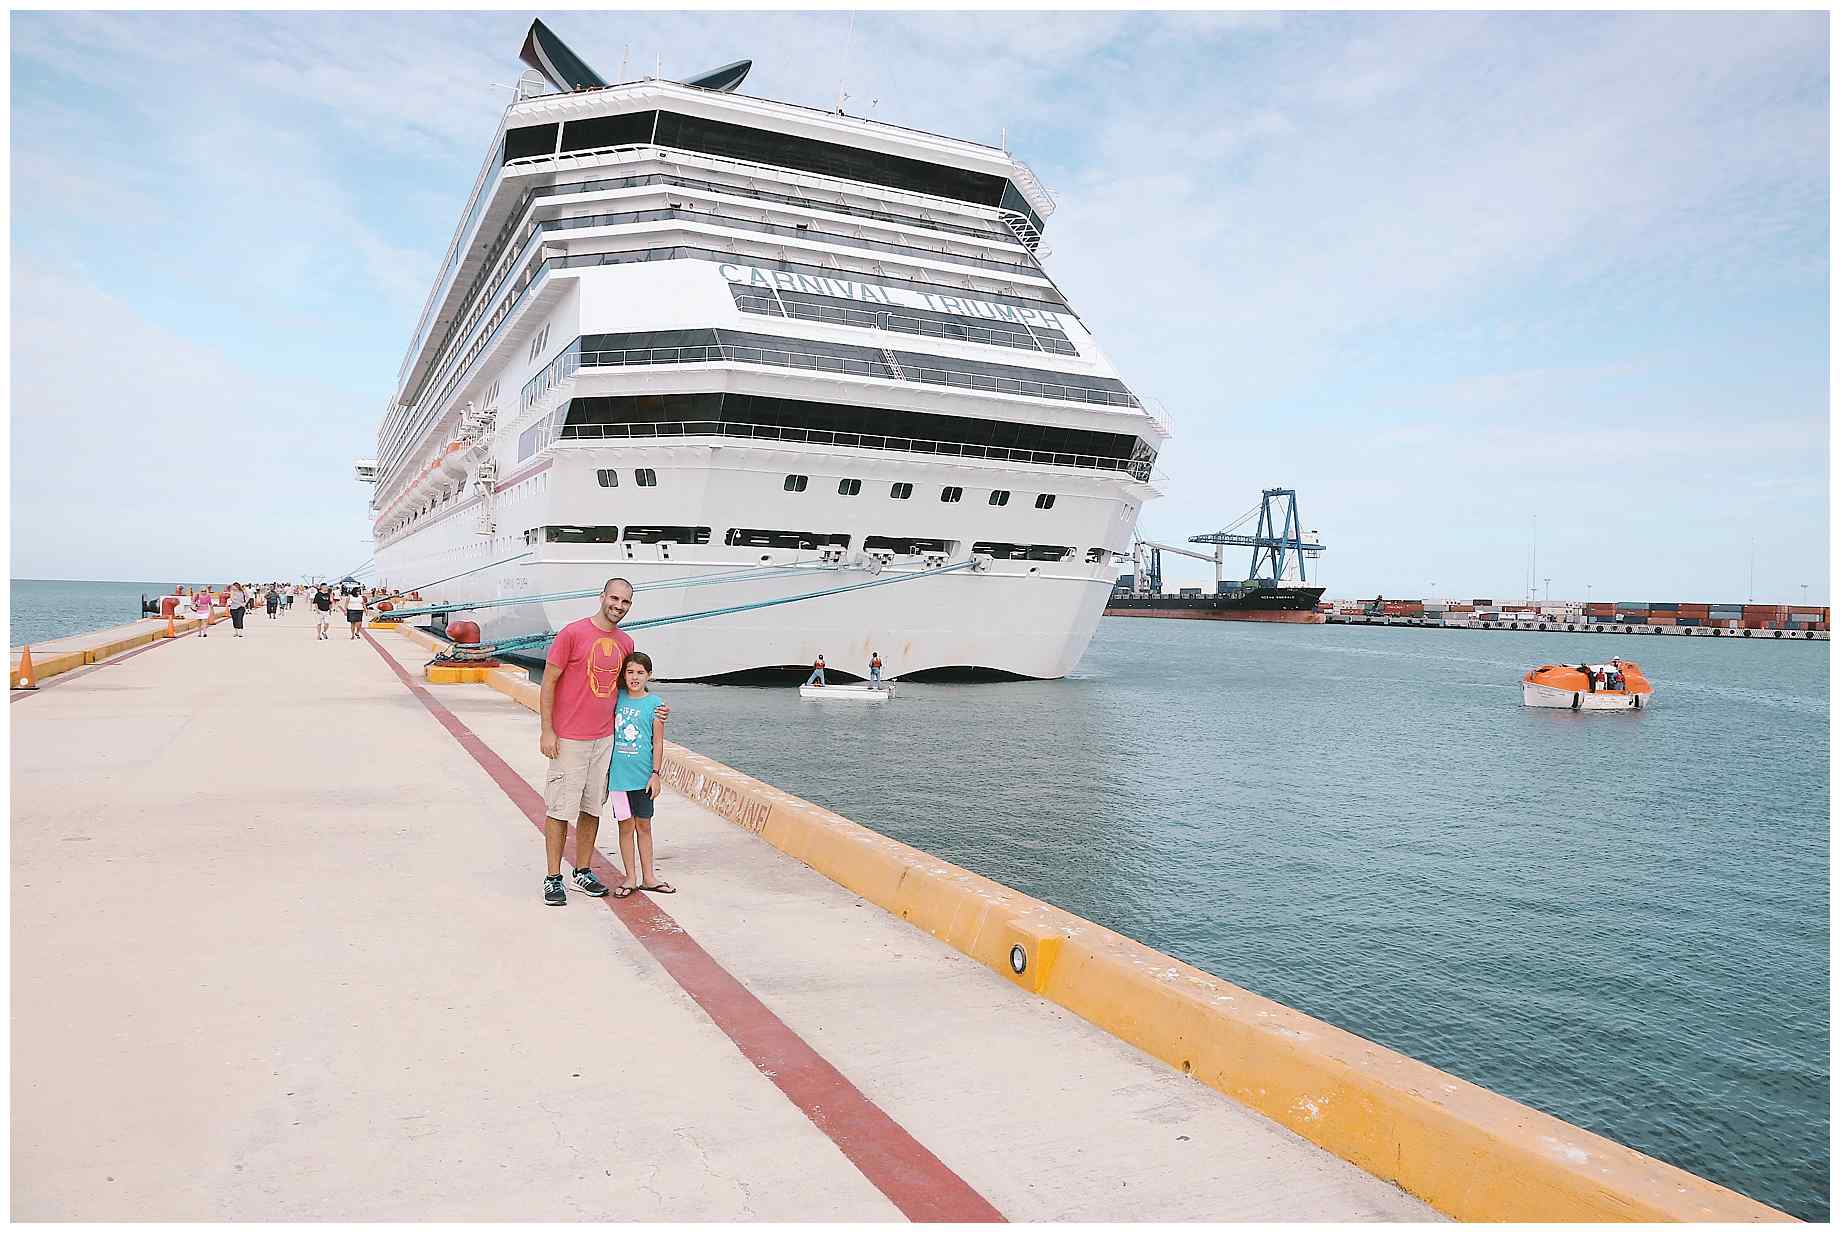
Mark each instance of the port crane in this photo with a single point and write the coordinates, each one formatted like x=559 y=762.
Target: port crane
x=1278 y=543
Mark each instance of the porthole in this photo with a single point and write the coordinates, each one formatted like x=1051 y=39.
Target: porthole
x=796 y=483
x=608 y=477
x=848 y=487
x=900 y=492
x=1045 y=501
x=949 y=495
x=1000 y=497
x=645 y=477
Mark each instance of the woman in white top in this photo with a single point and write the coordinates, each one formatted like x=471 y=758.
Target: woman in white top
x=201 y=609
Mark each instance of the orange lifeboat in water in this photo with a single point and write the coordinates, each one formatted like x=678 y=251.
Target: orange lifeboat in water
x=1616 y=686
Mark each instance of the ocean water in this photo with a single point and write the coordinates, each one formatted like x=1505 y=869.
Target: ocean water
x=1619 y=919
x=42 y=609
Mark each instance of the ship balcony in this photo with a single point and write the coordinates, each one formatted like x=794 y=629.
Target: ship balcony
x=1137 y=468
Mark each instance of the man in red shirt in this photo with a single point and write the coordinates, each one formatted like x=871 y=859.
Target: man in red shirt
x=581 y=688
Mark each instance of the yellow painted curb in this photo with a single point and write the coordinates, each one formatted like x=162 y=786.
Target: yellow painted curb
x=447 y=674
x=386 y=624
x=1468 y=1152
x=51 y=665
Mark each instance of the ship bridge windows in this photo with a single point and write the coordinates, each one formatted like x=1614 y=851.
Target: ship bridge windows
x=1021 y=552
x=701 y=136
x=910 y=547
x=1095 y=555
x=667 y=535
x=581 y=535
x=807 y=541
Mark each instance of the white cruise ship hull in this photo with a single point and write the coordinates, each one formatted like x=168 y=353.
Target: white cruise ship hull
x=682 y=333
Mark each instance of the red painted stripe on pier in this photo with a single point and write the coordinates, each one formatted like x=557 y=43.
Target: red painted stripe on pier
x=894 y=1162
x=20 y=695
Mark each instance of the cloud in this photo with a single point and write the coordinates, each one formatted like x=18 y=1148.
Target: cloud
x=138 y=453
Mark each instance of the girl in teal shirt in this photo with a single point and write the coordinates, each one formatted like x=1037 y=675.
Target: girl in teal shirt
x=632 y=773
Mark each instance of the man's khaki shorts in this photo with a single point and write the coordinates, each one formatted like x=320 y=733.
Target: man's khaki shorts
x=577 y=781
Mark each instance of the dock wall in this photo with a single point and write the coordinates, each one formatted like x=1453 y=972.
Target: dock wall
x=1469 y=1152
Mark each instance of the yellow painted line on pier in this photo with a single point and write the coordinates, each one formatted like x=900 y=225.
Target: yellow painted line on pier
x=1468 y=1152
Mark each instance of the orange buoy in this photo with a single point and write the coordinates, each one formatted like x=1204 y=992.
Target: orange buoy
x=24 y=677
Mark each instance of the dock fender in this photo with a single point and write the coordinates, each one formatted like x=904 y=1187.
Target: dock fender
x=1575 y=702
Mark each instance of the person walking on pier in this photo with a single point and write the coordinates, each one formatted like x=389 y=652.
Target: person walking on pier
x=354 y=612
x=581 y=686
x=633 y=777
x=322 y=601
x=201 y=608
x=271 y=601
x=239 y=607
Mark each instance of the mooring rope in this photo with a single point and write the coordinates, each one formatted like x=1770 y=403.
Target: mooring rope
x=486 y=650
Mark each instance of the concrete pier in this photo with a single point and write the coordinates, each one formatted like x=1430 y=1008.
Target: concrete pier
x=279 y=952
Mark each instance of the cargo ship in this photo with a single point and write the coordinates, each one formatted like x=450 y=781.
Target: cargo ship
x=1276 y=587
x=1294 y=605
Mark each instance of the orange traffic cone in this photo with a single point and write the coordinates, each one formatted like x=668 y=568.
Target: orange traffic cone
x=170 y=632
x=23 y=676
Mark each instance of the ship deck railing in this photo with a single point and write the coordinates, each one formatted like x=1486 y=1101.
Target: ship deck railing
x=1138 y=469
x=792 y=357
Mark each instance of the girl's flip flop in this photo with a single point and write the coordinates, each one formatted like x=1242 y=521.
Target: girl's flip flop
x=661 y=888
x=621 y=891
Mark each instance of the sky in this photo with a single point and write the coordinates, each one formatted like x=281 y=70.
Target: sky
x=1478 y=286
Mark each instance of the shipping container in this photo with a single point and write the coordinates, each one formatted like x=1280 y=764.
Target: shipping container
x=1600 y=609
x=1661 y=618
x=1483 y=603
x=1655 y=607
x=1695 y=610
x=1688 y=620
x=1763 y=612
x=1804 y=608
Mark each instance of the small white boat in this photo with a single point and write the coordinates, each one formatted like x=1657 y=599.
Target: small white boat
x=847 y=693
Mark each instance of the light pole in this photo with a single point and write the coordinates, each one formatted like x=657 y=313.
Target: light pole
x=1804 y=595
x=1549 y=590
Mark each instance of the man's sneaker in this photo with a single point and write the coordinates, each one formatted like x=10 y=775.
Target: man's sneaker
x=553 y=894
x=587 y=883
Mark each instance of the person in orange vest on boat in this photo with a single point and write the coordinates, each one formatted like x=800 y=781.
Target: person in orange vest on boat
x=875 y=669
x=817 y=672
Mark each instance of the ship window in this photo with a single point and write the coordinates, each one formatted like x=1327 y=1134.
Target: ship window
x=1045 y=501
x=908 y=547
x=608 y=477
x=645 y=477
x=900 y=492
x=949 y=495
x=1095 y=555
x=755 y=537
x=597 y=131
x=667 y=535
x=848 y=487
x=581 y=535
x=1000 y=497
x=796 y=483
x=525 y=142
x=1022 y=552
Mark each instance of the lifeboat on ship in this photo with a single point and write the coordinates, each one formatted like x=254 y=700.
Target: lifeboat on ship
x=1588 y=687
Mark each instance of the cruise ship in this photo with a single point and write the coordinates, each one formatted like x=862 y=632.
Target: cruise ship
x=799 y=376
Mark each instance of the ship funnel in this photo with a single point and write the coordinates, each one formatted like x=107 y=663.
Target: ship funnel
x=724 y=80
x=551 y=57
